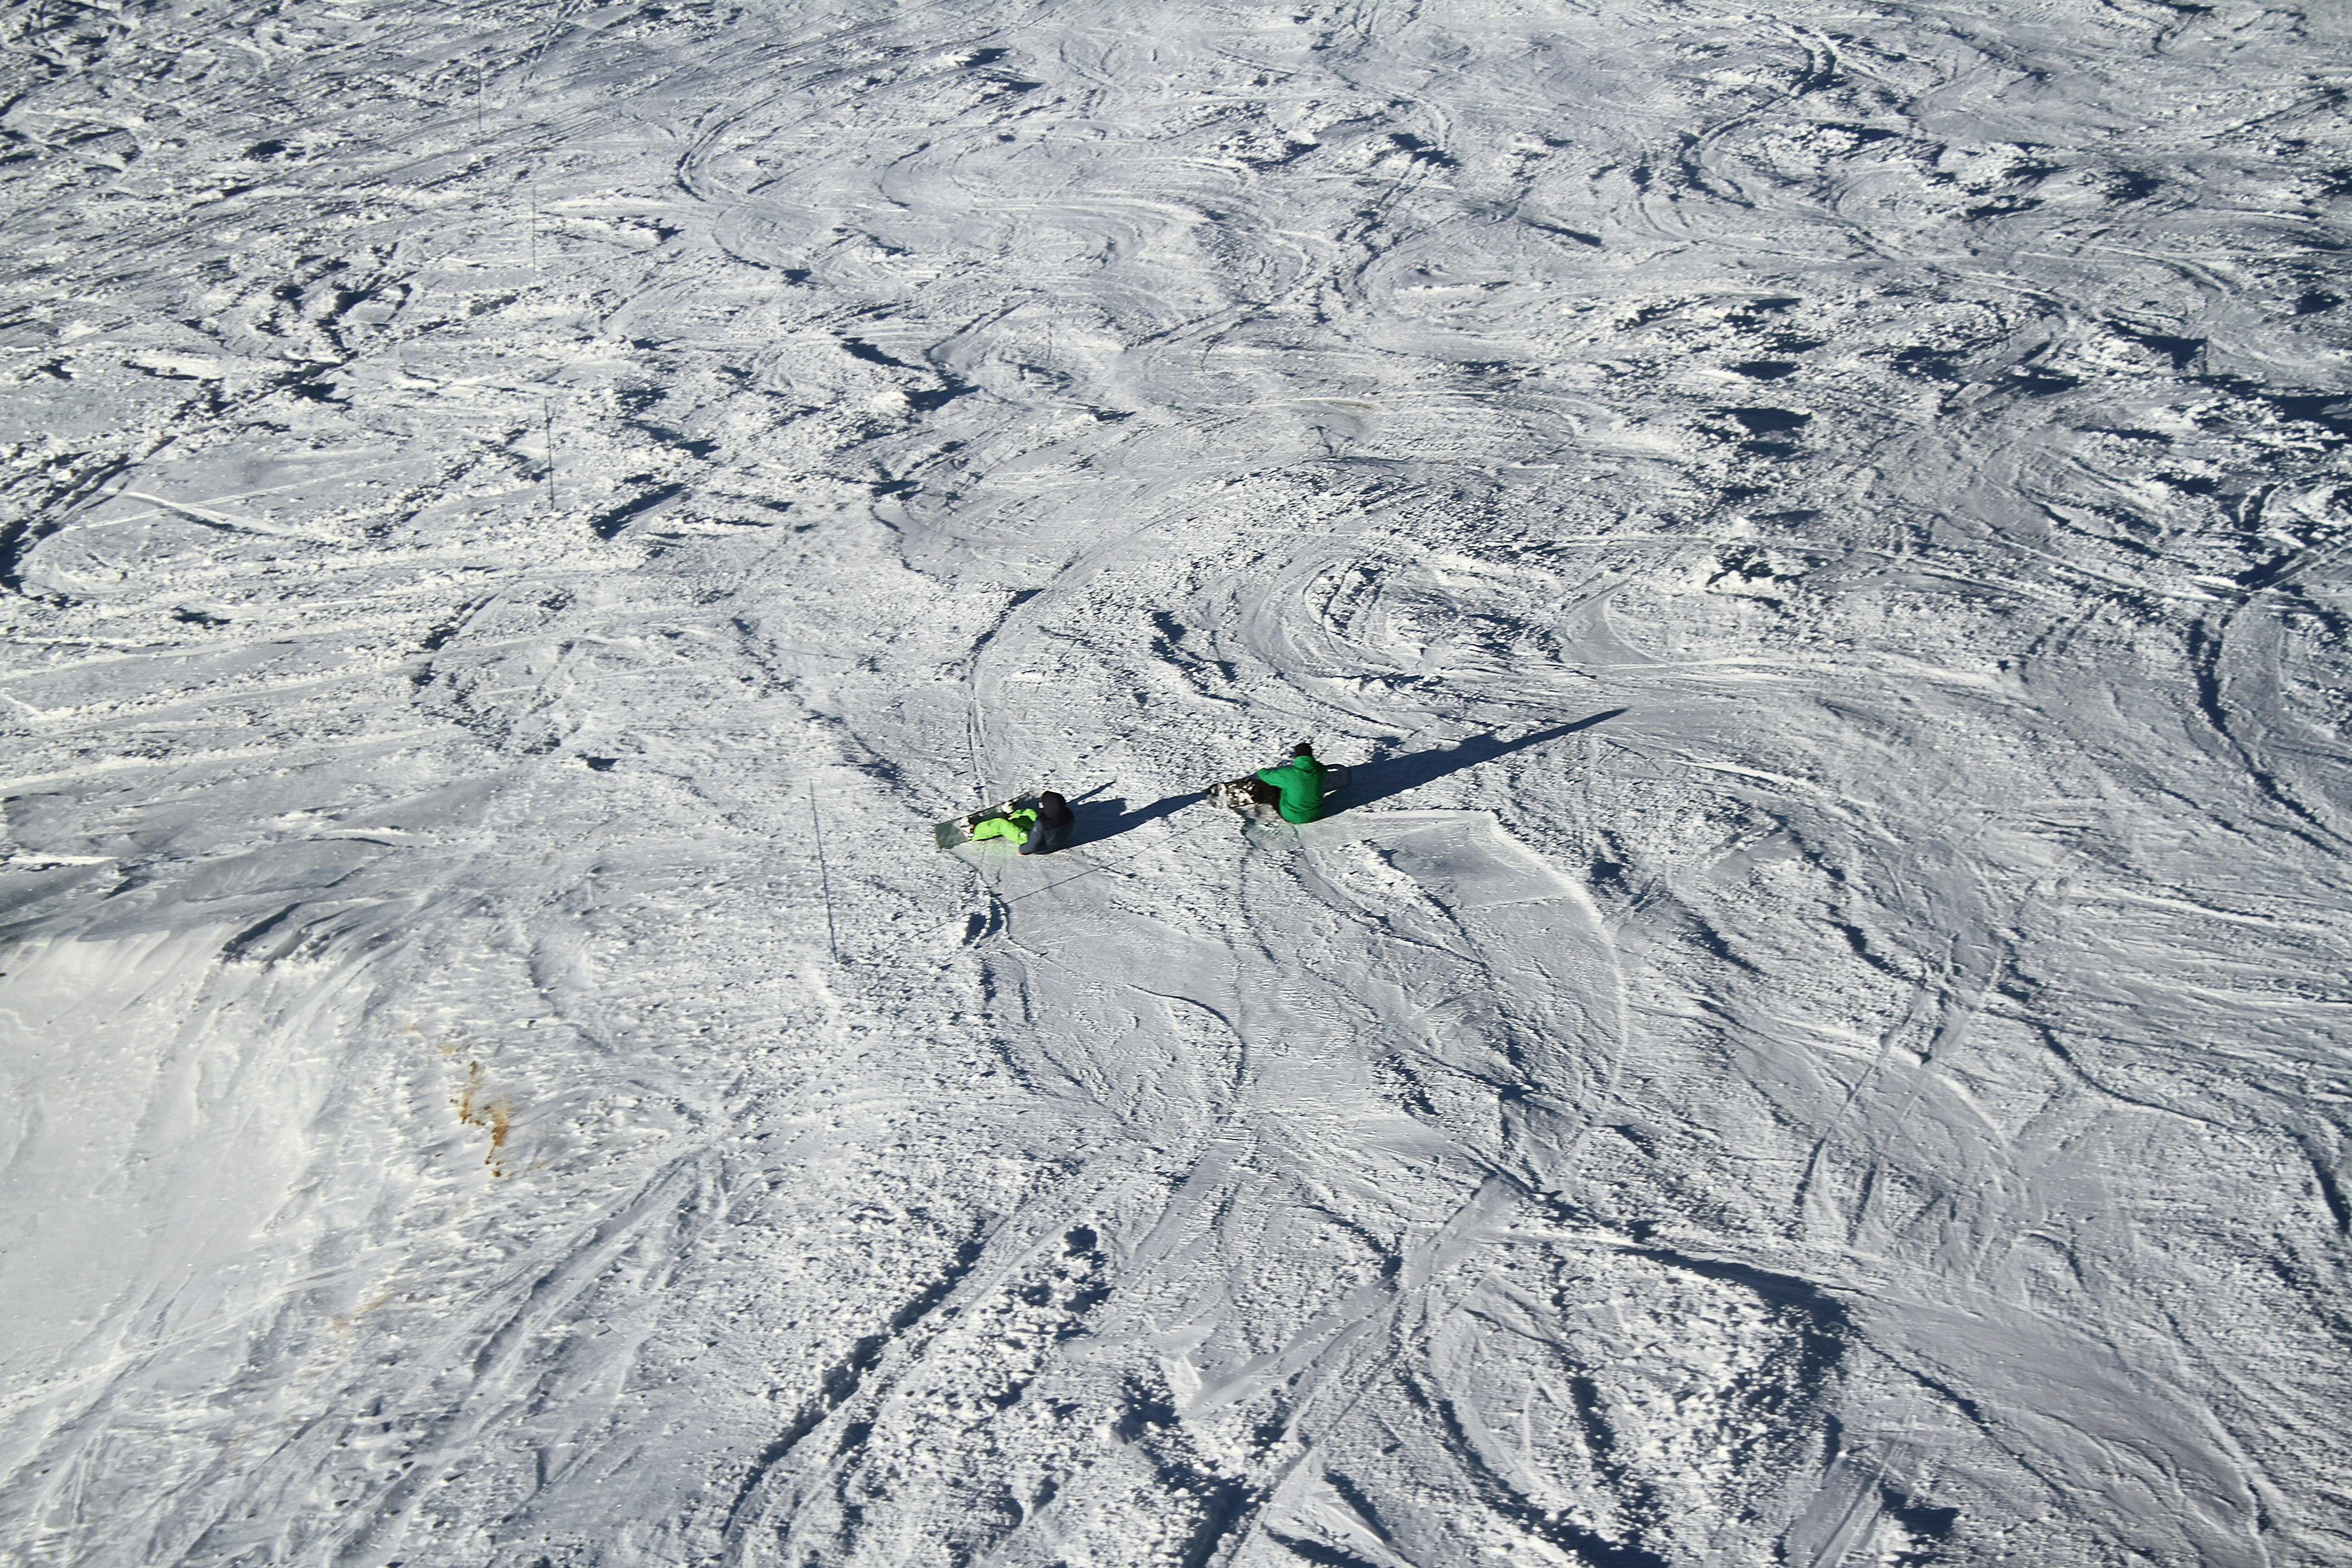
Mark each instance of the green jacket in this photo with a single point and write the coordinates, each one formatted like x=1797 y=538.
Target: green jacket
x=1015 y=827
x=1300 y=779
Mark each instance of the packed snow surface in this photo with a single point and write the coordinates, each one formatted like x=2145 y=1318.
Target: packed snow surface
x=1820 y=1034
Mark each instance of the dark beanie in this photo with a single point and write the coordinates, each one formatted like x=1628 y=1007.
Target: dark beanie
x=1302 y=750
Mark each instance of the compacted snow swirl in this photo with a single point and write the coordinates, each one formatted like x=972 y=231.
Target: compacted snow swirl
x=1819 y=1034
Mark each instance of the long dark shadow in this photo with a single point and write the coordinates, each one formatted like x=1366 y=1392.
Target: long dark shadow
x=1108 y=818
x=1394 y=776
x=1098 y=820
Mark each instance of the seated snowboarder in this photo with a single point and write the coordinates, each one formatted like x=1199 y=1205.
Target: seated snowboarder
x=1015 y=826
x=1298 y=783
x=1054 y=821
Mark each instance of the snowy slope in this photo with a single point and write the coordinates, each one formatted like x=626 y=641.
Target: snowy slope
x=1819 y=1037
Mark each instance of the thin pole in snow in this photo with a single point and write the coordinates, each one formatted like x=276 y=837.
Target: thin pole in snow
x=832 y=937
x=547 y=411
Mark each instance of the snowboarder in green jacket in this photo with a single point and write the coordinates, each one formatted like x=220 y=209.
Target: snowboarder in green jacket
x=1300 y=781
x=1015 y=826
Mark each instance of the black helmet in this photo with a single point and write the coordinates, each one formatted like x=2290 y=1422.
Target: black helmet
x=1302 y=750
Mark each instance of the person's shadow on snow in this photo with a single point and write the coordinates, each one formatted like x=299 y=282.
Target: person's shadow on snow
x=1101 y=820
x=1394 y=776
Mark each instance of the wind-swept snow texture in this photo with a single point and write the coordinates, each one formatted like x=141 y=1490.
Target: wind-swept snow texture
x=1819 y=1038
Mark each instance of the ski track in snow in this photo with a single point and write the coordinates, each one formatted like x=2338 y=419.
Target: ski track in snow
x=1819 y=1037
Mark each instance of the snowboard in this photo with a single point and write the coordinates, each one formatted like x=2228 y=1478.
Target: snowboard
x=1247 y=793
x=958 y=829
